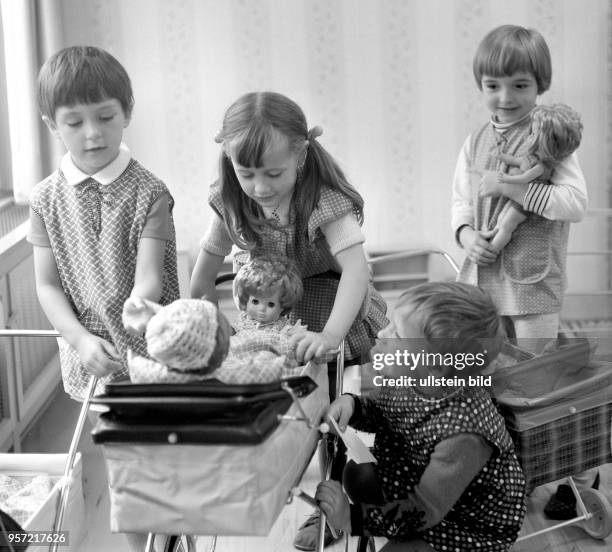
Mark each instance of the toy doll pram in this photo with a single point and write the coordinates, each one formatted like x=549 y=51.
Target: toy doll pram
x=208 y=459
x=62 y=513
x=558 y=410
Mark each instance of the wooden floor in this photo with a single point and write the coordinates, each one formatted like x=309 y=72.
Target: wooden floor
x=99 y=539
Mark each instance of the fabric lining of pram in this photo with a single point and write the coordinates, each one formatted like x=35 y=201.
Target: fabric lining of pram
x=213 y=489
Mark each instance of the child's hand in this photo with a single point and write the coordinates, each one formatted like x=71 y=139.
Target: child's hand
x=309 y=345
x=341 y=410
x=99 y=357
x=335 y=505
x=478 y=247
x=137 y=312
x=490 y=186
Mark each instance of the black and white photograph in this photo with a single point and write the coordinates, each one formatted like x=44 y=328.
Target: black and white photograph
x=306 y=275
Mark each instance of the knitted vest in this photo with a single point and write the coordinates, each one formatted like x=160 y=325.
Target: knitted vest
x=536 y=255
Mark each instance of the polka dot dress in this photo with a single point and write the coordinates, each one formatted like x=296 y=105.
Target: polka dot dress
x=94 y=232
x=528 y=277
x=489 y=513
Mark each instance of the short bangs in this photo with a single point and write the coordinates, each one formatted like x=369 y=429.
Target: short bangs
x=508 y=50
x=83 y=75
x=249 y=147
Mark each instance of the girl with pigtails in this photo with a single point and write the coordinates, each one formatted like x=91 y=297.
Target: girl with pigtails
x=279 y=191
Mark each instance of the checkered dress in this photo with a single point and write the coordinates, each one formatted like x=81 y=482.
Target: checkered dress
x=94 y=232
x=489 y=513
x=528 y=277
x=313 y=258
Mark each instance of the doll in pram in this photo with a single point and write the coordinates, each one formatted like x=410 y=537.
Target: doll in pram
x=230 y=407
x=189 y=340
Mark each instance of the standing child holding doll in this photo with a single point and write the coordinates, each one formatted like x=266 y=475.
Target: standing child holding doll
x=280 y=191
x=101 y=225
x=526 y=279
x=446 y=477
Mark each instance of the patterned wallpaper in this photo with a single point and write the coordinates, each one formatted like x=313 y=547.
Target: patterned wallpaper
x=390 y=81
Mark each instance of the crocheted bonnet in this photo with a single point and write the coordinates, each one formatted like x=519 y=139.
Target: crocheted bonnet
x=184 y=336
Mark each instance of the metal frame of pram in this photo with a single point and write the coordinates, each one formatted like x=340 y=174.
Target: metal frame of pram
x=173 y=542
x=327 y=443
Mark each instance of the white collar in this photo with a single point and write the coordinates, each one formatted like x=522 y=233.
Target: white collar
x=108 y=174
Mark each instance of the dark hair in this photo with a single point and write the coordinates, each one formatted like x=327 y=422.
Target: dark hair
x=250 y=125
x=267 y=274
x=82 y=74
x=509 y=49
x=456 y=318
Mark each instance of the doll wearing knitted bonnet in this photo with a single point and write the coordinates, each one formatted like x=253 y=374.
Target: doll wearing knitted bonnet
x=556 y=132
x=187 y=341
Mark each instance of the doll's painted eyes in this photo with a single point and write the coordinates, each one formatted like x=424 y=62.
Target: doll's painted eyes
x=269 y=304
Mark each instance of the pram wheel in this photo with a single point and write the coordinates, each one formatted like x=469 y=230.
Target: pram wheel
x=599 y=526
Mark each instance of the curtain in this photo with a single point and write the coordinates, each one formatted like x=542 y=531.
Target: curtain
x=390 y=81
x=31 y=30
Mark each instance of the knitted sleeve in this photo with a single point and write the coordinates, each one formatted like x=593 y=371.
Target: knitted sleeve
x=333 y=205
x=342 y=233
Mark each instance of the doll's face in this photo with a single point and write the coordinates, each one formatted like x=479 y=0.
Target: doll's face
x=264 y=308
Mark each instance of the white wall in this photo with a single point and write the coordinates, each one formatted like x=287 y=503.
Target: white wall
x=389 y=80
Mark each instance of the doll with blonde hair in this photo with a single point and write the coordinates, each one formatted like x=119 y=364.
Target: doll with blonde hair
x=265 y=290
x=556 y=131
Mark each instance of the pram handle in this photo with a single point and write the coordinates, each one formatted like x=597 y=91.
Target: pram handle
x=65 y=481
x=29 y=333
x=415 y=253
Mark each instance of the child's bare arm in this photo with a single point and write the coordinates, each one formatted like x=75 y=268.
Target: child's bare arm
x=349 y=297
x=523 y=178
x=97 y=355
x=148 y=278
x=204 y=273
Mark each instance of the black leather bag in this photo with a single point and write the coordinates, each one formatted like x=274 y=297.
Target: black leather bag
x=199 y=413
